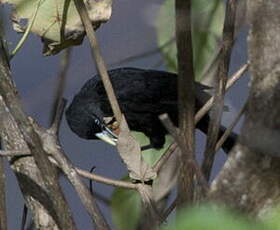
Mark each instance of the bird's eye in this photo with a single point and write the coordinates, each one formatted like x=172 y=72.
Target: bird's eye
x=96 y=121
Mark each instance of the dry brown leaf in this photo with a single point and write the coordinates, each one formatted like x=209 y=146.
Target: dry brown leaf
x=130 y=153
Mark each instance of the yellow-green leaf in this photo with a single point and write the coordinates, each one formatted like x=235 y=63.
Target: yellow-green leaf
x=58 y=22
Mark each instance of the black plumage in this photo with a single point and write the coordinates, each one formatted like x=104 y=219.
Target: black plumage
x=143 y=95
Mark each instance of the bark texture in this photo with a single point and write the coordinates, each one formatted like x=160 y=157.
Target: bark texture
x=27 y=173
x=37 y=177
x=250 y=179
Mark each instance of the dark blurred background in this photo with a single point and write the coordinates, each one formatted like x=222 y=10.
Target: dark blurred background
x=130 y=31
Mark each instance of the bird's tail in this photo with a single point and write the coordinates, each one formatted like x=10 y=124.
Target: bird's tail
x=229 y=142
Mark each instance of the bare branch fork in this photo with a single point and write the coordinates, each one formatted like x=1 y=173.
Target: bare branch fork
x=10 y=102
x=205 y=109
x=192 y=162
x=173 y=131
x=51 y=145
x=44 y=141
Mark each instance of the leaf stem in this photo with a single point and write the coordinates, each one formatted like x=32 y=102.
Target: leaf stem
x=26 y=32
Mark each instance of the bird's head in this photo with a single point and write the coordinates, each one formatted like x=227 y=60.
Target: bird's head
x=87 y=121
x=104 y=133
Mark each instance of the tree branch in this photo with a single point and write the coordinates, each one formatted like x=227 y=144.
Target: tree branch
x=192 y=163
x=10 y=102
x=228 y=131
x=104 y=180
x=207 y=106
x=186 y=99
x=81 y=8
x=220 y=85
x=72 y=175
x=81 y=172
x=58 y=95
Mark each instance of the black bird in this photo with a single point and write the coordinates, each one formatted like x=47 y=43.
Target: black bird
x=143 y=95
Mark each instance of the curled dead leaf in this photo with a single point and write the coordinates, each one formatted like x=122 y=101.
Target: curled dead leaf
x=130 y=153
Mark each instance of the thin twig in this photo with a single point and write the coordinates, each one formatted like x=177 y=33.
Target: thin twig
x=165 y=157
x=81 y=8
x=81 y=172
x=104 y=180
x=220 y=85
x=62 y=77
x=170 y=209
x=207 y=106
x=26 y=32
x=228 y=131
x=58 y=116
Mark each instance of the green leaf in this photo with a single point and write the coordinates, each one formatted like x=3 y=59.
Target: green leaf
x=272 y=219
x=151 y=156
x=207 y=24
x=126 y=209
x=211 y=218
x=58 y=22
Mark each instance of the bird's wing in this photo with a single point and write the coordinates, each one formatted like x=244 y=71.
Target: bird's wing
x=140 y=91
x=147 y=92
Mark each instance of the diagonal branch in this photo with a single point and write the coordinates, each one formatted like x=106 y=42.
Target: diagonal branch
x=81 y=8
x=207 y=106
x=63 y=67
x=230 y=128
x=86 y=197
